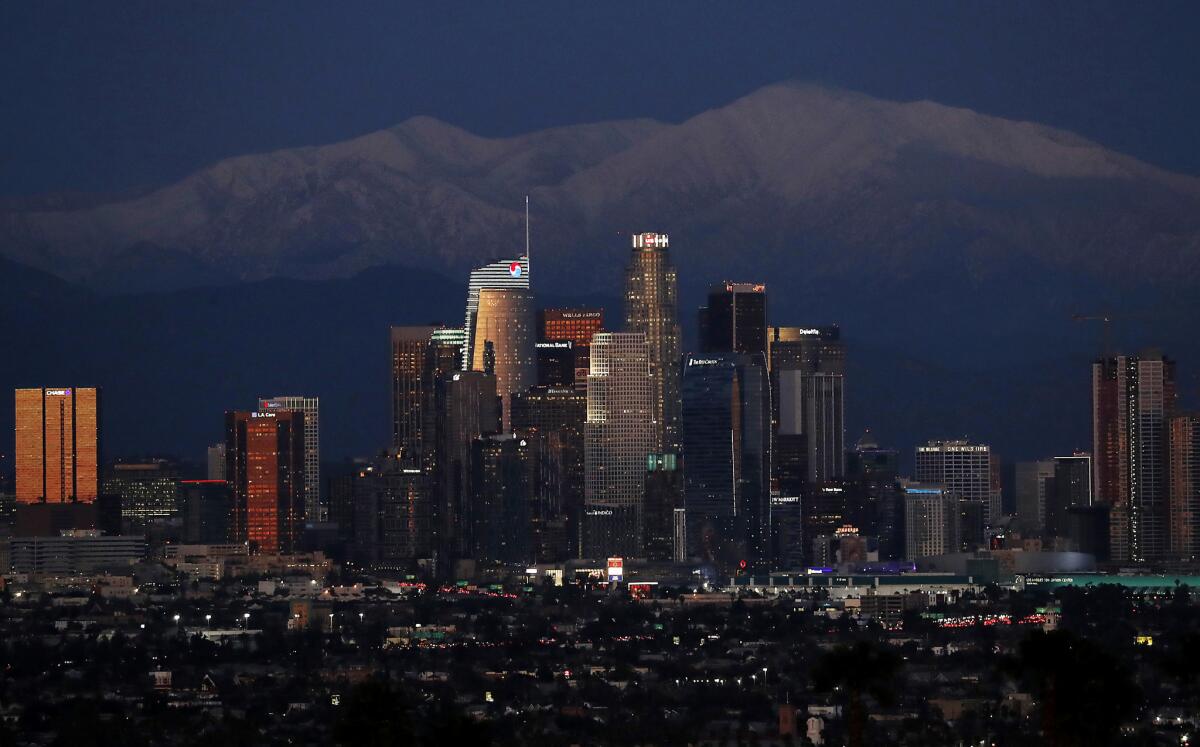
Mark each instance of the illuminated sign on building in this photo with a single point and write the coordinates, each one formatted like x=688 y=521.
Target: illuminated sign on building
x=514 y=269
x=581 y=314
x=650 y=241
x=58 y=392
x=616 y=569
x=703 y=361
x=555 y=345
x=262 y=414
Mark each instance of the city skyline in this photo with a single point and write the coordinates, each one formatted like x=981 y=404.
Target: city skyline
x=855 y=399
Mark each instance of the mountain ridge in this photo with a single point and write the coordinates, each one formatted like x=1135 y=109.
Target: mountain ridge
x=806 y=175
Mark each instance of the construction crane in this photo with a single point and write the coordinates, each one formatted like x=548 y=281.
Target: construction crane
x=1106 y=338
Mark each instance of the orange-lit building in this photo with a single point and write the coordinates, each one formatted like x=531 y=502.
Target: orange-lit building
x=576 y=325
x=58 y=445
x=264 y=462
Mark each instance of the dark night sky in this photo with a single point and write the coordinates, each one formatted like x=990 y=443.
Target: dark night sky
x=105 y=96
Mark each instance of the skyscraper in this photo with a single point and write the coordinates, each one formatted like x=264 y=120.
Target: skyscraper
x=410 y=389
x=504 y=498
x=932 y=521
x=735 y=319
x=808 y=366
x=505 y=318
x=576 y=326
x=651 y=309
x=1133 y=398
x=726 y=431
x=1185 y=486
x=555 y=363
x=554 y=417
x=620 y=434
x=148 y=489
x=1033 y=485
x=664 y=497
x=392 y=515
x=503 y=273
x=264 y=454
x=1070 y=488
x=216 y=462
x=964 y=469
x=467 y=408
x=314 y=509
x=57 y=445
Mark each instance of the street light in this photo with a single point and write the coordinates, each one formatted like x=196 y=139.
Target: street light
x=245 y=621
x=208 y=621
x=330 y=622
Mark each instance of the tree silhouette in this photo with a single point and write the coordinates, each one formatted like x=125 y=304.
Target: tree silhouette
x=1085 y=693
x=854 y=673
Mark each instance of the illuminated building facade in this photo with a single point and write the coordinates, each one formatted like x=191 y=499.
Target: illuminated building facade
x=505 y=318
x=314 y=508
x=651 y=309
x=965 y=469
x=576 y=326
x=932 y=520
x=619 y=435
x=57 y=445
x=808 y=379
x=1133 y=399
x=504 y=273
x=409 y=348
x=148 y=490
x=264 y=453
x=1185 y=486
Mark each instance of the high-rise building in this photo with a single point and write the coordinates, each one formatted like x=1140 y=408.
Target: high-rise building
x=651 y=309
x=619 y=435
x=314 y=507
x=555 y=363
x=868 y=460
x=505 y=319
x=1133 y=398
x=664 y=496
x=58 y=445
x=148 y=489
x=505 y=500
x=467 y=408
x=1033 y=484
x=392 y=515
x=735 y=319
x=808 y=367
x=503 y=273
x=872 y=471
x=216 y=462
x=207 y=509
x=726 y=431
x=410 y=390
x=964 y=469
x=1185 y=486
x=932 y=520
x=576 y=326
x=555 y=417
x=264 y=456
x=1071 y=487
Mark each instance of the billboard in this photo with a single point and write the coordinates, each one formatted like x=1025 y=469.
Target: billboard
x=616 y=569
